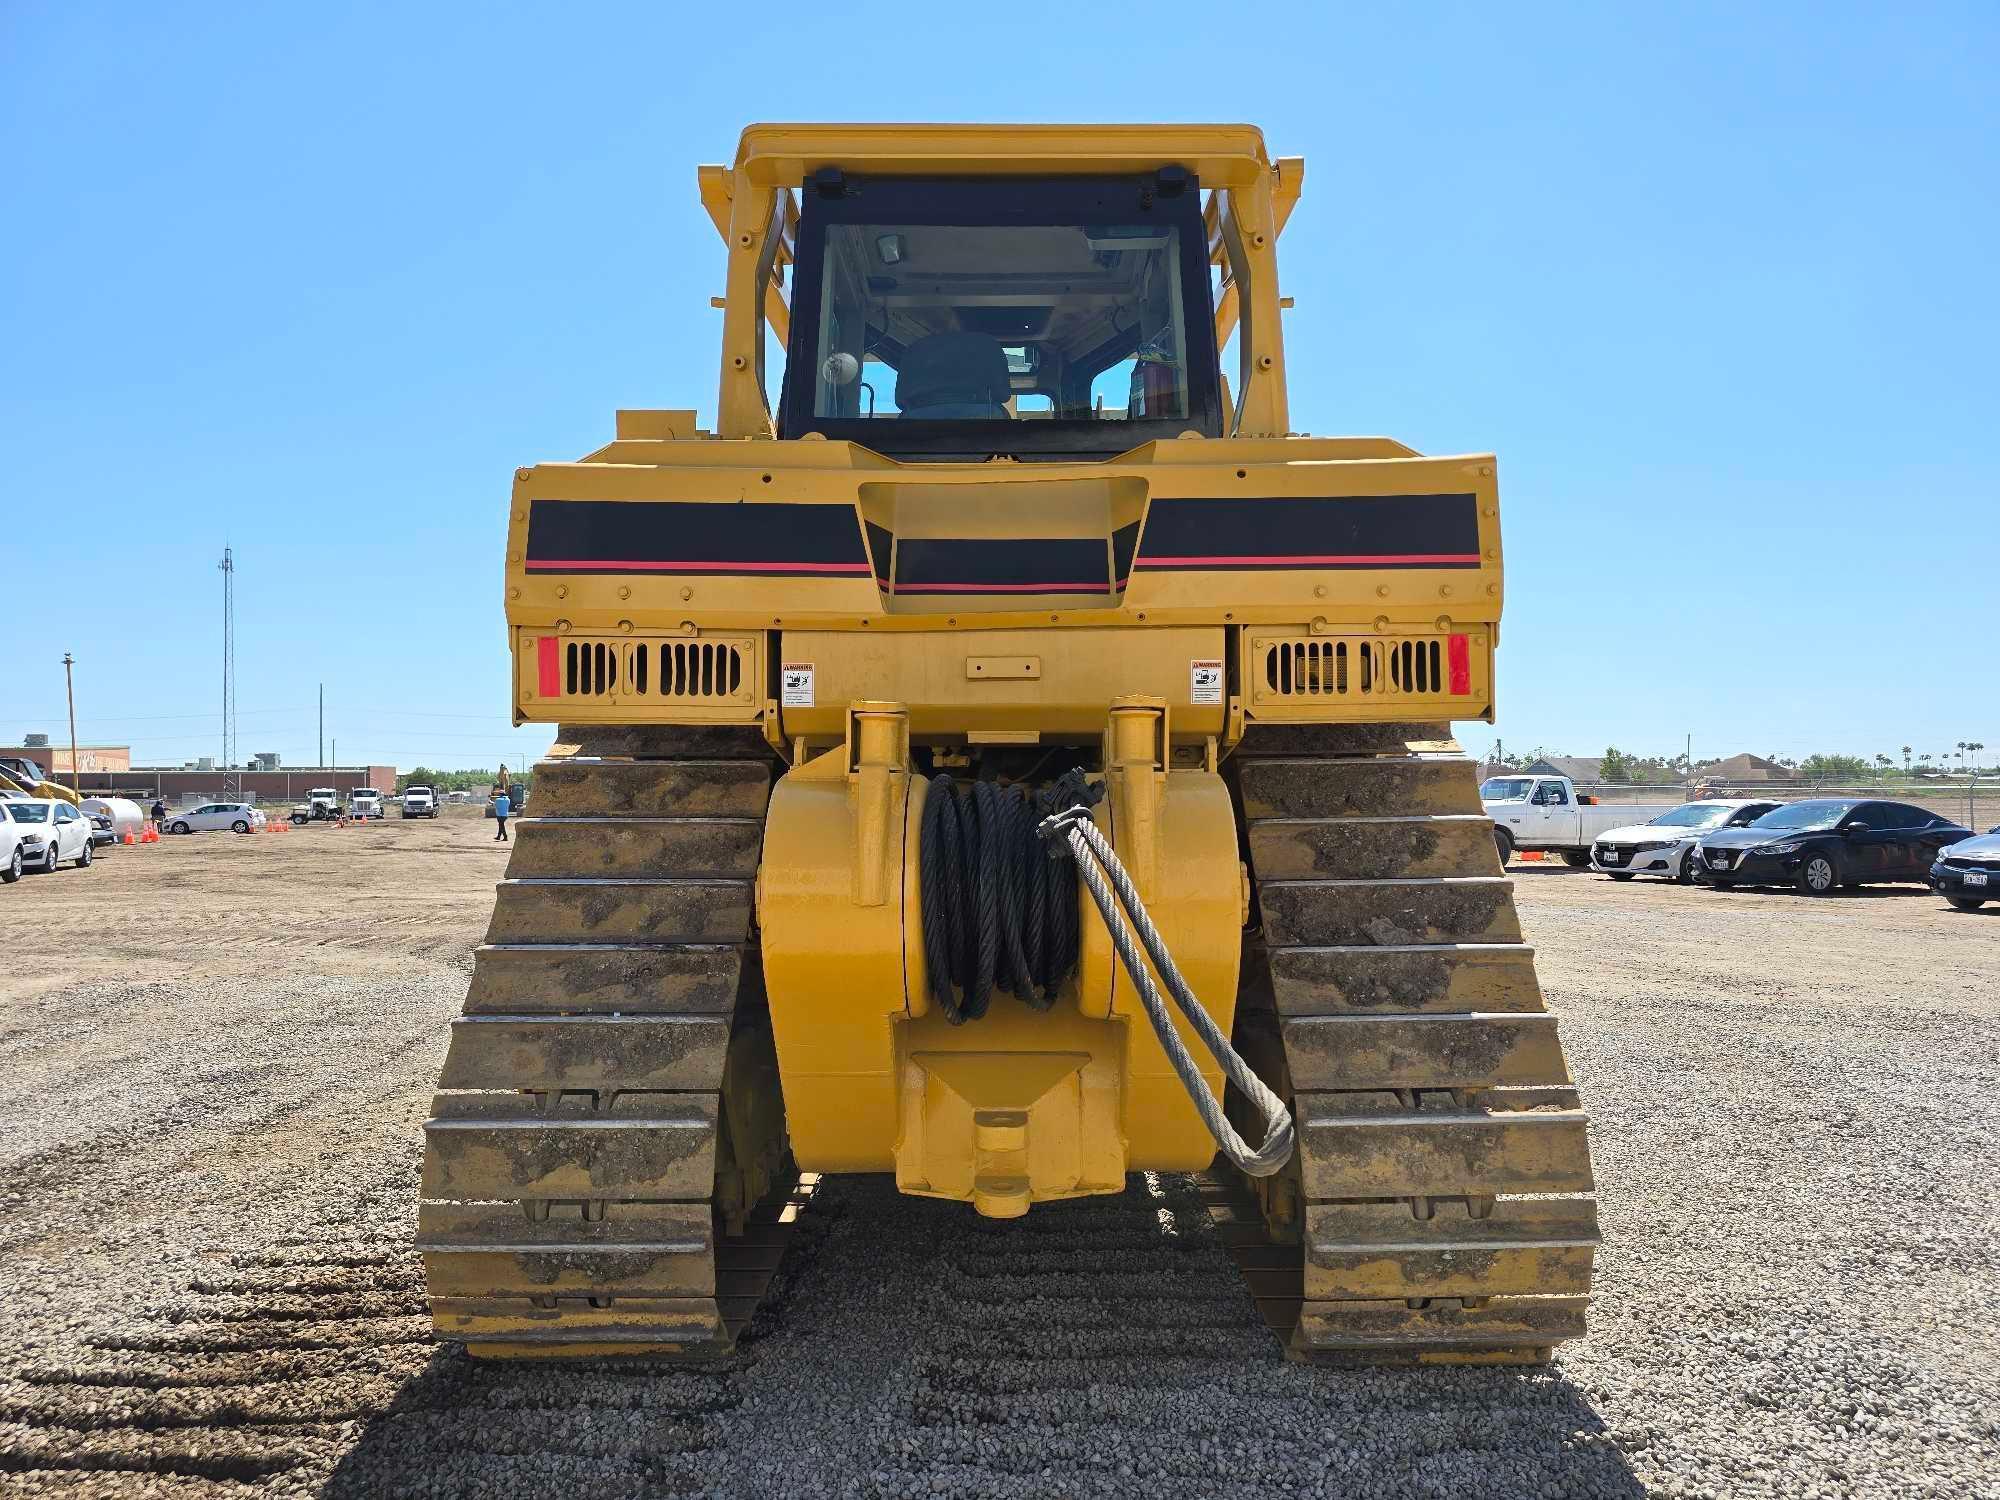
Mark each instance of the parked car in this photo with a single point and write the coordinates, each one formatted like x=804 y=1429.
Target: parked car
x=13 y=857
x=1663 y=847
x=237 y=817
x=1824 y=843
x=1967 y=873
x=49 y=832
x=419 y=802
x=1547 y=812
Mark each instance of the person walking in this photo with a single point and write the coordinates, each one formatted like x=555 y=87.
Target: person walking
x=502 y=805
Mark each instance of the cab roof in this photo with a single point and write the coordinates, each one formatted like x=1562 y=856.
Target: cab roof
x=1220 y=155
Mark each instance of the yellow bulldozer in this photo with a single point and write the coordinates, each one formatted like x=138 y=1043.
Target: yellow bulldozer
x=28 y=779
x=1004 y=754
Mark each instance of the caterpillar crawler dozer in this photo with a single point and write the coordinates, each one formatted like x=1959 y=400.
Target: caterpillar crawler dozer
x=1004 y=568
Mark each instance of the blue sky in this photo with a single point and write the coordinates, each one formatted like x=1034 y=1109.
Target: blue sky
x=1716 y=283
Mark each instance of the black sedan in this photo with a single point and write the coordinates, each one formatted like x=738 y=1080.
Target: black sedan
x=1967 y=874
x=1829 y=842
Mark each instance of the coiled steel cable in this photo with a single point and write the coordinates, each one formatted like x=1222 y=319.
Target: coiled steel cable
x=1000 y=907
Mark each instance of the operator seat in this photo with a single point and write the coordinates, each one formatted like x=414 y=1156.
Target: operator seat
x=953 y=376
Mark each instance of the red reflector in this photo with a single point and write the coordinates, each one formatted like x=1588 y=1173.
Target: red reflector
x=1459 y=653
x=550 y=672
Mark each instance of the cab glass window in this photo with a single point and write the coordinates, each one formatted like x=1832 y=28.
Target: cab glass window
x=971 y=316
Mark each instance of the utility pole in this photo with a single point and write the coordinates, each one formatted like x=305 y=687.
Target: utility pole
x=322 y=723
x=75 y=765
x=231 y=783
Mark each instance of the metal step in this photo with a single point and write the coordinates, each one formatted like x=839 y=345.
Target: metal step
x=1319 y=913
x=581 y=787
x=649 y=911
x=623 y=978
x=635 y=848
x=1374 y=848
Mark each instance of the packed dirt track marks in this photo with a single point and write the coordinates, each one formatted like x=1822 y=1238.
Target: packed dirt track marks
x=209 y=1193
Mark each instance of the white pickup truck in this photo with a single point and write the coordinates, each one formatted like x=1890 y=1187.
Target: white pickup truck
x=1546 y=812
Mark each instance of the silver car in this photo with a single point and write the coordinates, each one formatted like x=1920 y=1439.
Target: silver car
x=1665 y=846
x=237 y=817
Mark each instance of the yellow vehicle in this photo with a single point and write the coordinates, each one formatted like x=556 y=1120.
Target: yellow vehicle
x=26 y=777
x=1018 y=564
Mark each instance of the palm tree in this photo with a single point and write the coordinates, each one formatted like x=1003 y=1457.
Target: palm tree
x=1906 y=757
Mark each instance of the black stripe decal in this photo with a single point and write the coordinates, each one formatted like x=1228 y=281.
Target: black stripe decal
x=1032 y=565
x=881 y=547
x=1123 y=540
x=1351 y=531
x=765 y=539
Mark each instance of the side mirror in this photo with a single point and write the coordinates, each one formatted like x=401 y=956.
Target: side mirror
x=1853 y=827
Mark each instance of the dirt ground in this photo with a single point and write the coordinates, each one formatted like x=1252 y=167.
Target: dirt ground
x=221 y=1049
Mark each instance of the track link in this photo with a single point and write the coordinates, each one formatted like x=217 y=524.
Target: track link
x=604 y=1169
x=1438 y=1209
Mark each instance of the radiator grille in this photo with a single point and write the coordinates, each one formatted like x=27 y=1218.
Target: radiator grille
x=626 y=669
x=697 y=669
x=590 y=669
x=1322 y=667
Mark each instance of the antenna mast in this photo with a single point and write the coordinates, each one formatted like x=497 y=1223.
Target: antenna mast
x=231 y=784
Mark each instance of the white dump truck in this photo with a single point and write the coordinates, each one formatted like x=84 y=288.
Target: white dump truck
x=419 y=802
x=1546 y=812
x=364 y=802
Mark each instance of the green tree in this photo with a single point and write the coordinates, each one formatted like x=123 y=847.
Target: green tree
x=1906 y=757
x=1828 y=767
x=1615 y=766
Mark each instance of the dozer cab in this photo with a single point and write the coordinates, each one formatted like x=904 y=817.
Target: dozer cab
x=1001 y=663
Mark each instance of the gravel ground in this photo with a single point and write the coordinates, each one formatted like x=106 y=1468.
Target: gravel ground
x=208 y=1184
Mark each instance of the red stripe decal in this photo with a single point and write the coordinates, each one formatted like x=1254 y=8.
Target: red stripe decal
x=1459 y=654
x=632 y=565
x=546 y=667
x=1363 y=558
x=1002 y=588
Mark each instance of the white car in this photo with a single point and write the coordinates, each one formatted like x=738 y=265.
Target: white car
x=237 y=817
x=13 y=858
x=1665 y=846
x=46 y=833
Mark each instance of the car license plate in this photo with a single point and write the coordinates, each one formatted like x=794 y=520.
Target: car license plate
x=1719 y=860
x=1975 y=877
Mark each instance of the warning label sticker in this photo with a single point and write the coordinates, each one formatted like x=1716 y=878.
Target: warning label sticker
x=1204 y=681
x=795 y=684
